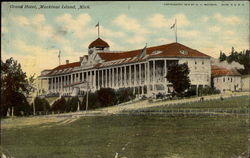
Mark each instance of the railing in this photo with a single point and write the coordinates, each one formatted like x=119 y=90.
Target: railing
x=189 y=112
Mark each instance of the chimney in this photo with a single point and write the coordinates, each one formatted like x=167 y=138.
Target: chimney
x=67 y=61
x=81 y=58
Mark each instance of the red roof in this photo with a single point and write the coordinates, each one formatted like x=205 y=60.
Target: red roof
x=111 y=58
x=221 y=71
x=65 y=66
x=98 y=43
x=167 y=50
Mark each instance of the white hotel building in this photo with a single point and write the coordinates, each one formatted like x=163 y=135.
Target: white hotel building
x=143 y=69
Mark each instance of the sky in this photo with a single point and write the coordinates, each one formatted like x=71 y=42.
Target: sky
x=34 y=36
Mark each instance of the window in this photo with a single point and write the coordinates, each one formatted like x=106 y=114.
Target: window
x=195 y=62
x=223 y=79
x=202 y=62
x=231 y=79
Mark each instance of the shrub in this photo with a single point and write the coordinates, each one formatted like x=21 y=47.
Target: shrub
x=59 y=105
x=23 y=108
x=124 y=95
x=72 y=104
x=93 y=102
x=106 y=97
x=41 y=105
x=208 y=90
x=190 y=92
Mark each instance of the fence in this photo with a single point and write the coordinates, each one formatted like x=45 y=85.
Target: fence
x=192 y=112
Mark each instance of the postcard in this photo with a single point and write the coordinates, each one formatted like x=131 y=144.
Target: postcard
x=113 y=79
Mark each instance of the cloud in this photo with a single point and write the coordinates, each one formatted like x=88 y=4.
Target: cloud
x=4 y=29
x=37 y=23
x=160 y=21
x=21 y=20
x=76 y=25
x=130 y=24
x=115 y=47
x=204 y=19
x=229 y=32
x=35 y=58
x=189 y=33
x=163 y=41
x=214 y=29
x=32 y=58
x=107 y=32
x=232 y=20
x=136 y=40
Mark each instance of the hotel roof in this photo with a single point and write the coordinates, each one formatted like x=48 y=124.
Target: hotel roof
x=221 y=71
x=172 y=50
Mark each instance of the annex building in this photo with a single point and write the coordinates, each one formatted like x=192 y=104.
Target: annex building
x=144 y=70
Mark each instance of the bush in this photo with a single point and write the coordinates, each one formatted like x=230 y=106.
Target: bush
x=106 y=97
x=208 y=90
x=159 y=96
x=23 y=108
x=72 y=104
x=93 y=102
x=59 y=105
x=124 y=95
x=41 y=105
x=191 y=92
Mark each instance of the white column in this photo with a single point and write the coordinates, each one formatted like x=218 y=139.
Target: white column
x=135 y=78
x=52 y=84
x=125 y=76
x=148 y=77
x=140 y=74
x=94 y=80
x=130 y=75
x=61 y=84
x=165 y=74
x=98 y=80
x=110 y=78
x=113 y=77
x=121 y=80
x=106 y=77
x=102 y=78
x=153 y=75
x=117 y=77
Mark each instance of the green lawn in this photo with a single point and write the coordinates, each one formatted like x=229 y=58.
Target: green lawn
x=242 y=102
x=131 y=136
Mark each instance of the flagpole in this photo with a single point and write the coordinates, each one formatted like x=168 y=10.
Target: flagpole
x=98 y=30
x=59 y=56
x=176 y=30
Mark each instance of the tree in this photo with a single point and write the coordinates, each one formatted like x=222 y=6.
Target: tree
x=59 y=105
x=178 y=76
x=242 y=57
x=15 y=86
x=222 y=56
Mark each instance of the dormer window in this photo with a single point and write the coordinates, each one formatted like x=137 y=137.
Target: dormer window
x=184 y=52
x=156 y=52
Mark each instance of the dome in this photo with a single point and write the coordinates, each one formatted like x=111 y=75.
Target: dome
x=99 y=43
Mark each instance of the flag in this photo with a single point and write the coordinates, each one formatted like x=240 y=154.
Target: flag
x=97 y=25
x=143 y=52
x=172 y=26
